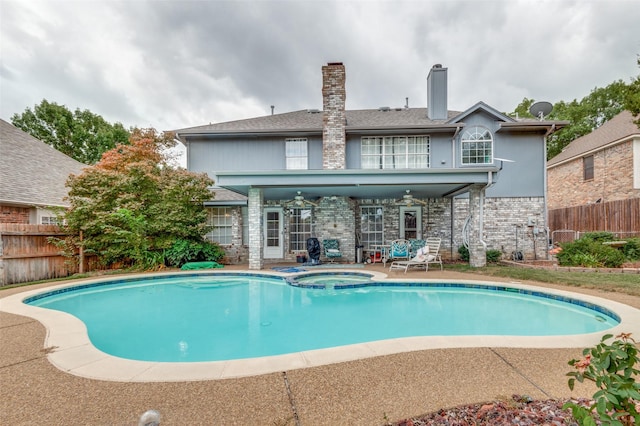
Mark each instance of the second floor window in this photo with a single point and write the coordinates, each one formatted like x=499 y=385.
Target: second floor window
x=296 y=153
x=587 y=167
x=395 y=152
x=477 y=146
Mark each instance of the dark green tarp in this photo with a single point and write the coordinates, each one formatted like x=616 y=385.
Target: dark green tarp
x=200 y=265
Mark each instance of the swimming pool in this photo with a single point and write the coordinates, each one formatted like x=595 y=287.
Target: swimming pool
x=225 y=317
x=69 y=348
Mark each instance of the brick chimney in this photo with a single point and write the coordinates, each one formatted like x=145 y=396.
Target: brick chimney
x=334 y=117
x=437 y=93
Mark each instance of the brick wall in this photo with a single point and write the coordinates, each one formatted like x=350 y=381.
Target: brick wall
x=10 y=214
x=612 y=179
x=334 y=116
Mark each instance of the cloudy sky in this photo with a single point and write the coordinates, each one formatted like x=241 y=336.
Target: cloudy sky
x=172 y=63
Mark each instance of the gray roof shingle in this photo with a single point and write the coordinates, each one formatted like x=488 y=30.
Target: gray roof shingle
x=619 y=127
x=32 y=172
x=311 y=120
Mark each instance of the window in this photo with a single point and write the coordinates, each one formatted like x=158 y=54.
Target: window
x=296 y=153
x=49 y=220
x=299 y=228
x=477 y=146
x=587 y=167
x=221 y=220
x=395 y=152
x=371 y=226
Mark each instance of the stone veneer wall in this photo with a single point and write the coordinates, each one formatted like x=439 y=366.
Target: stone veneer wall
x=334 y=116
x=335 y=219
x=612 y=179
x=501 y=215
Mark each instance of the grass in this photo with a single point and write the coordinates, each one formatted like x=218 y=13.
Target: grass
x=614 y=282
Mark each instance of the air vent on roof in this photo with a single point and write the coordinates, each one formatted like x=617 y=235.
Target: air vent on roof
x=313 y=111
x=384 y=108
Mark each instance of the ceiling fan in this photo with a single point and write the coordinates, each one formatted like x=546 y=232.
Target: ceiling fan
x=299 y=201
x=408 y=200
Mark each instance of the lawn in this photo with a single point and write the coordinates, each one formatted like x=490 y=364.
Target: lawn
x=616 y=282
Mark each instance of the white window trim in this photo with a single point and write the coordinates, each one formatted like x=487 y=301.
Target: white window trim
x=302 y=159
x=475 y=131
x=382 y=155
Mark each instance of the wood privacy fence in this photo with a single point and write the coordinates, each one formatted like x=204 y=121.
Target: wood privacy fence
x=621 y=217
x=27 y=255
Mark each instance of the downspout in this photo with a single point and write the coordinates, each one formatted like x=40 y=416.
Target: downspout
x=453 y=146
x=544 y=198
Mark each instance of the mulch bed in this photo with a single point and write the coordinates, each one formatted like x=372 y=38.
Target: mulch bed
x=520 y=410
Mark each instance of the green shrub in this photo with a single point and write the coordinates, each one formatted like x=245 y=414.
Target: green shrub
x=589 y=252
x=464 y=253
x=631 y=250
x=493 y=255
x=600 y=236
x=183 y=251
x=613 y=368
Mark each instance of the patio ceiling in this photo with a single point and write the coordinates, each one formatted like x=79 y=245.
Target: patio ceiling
x=358 y=184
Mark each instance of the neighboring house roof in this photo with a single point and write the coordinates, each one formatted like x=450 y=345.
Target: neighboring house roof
x=32 y=172
x=618 y=129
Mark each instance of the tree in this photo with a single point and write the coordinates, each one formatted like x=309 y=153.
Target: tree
x=584 y=116
x=131 y=205
x=632 y=101
x=81 y=135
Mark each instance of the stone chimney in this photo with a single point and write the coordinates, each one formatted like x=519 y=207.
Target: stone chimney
x=334 y=117
x=437 y=93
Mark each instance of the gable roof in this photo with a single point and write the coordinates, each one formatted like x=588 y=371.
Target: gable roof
x=619 y=128
x=32 y=172
x=481 y=106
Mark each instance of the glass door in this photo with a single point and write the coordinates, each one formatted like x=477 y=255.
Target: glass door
x=411 y=223
x=273 y=232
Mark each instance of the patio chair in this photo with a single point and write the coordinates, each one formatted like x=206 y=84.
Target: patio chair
x=415 y=246
x=331 y=250
x=399 y=249
x=429 y=253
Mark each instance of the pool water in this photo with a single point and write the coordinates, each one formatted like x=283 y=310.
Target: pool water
x=217 y=317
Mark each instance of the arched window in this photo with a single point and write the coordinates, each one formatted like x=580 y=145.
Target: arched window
x=477 y=146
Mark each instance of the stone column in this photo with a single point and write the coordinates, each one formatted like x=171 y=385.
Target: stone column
x=256 y=241
x=477 y=250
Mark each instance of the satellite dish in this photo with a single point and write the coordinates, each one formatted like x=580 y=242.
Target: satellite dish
x=541 y=109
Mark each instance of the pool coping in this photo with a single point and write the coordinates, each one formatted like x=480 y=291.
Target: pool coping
x=69 y=349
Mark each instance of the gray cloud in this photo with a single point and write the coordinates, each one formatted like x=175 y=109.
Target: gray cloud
x=172 y=64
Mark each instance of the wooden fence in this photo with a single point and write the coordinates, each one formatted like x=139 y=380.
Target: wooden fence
x=27 y=255
x=621 y=217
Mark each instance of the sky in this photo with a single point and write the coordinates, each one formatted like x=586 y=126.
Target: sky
x=173 y=64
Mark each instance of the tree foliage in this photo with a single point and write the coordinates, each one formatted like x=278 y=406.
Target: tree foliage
x=131 y=205
x=586 y=115
x=81 y=134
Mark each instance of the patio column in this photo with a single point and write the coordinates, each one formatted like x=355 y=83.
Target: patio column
x=477 y=247
x=256 y=201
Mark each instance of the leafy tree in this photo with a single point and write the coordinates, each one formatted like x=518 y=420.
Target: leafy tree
x=81 y=135
x=131 y=205
x=589 y=113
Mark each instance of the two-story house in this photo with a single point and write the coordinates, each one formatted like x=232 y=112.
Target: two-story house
x=601 y=166
x=366 y=177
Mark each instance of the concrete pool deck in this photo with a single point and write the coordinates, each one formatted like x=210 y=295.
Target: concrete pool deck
x=361 y=385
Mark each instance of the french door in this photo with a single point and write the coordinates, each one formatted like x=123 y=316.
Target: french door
x=273 y=233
